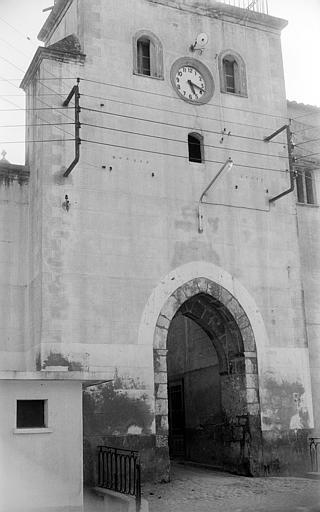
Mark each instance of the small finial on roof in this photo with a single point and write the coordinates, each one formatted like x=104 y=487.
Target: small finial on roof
x=4 y=153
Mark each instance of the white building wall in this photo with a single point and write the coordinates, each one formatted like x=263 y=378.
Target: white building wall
x=42 y=470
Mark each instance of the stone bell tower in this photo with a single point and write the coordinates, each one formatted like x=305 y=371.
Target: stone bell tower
x=156 y=250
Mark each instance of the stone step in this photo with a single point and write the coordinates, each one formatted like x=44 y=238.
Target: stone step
x=315 y=475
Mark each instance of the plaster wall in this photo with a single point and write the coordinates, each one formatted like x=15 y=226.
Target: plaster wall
x=13 y=277
x=42 y=471
x=134 y=195
x=145 y=203
x=309 y=226
x=305 y=127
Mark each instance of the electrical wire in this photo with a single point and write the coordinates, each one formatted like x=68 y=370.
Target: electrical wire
x=11 y=103
x=44 y=78
x=11 y=63
x=62 y=95
x=43 y=102
x=173 y=125
x=172 y=111
x=307 y=114
x=16 y=30
x=307 y=141
x=39 y=124
x=181 y=141
x=32 y=109
x=306 y=156
x=178 y=99
x=308 y=127
x=14 y=47
x=29 y=141
x=22 y=95
x=176 y=156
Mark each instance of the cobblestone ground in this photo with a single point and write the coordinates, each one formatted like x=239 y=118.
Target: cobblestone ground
x=199 y=490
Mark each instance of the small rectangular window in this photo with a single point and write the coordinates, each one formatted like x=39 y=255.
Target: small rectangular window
x=230 y=76
x=195 y=148
x=309 y=187
x=143 y=49
x=305 y=187
x=31 y=413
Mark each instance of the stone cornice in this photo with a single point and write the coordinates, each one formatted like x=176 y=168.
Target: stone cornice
x=54 y=18
x=12 y=172
x=225 y=12
x=208 y=8
x=51 y=54
x=87 y=378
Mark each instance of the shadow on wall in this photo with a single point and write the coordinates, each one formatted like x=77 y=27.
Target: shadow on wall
x=117 y=414
x=117 y=408
x=56 y=359
x=283 y=405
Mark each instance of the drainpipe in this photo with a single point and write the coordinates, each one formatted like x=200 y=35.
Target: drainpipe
x=228 y=164
x=77 y=125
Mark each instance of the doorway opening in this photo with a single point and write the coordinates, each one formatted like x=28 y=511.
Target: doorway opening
x=212 y=381
x=194 y=390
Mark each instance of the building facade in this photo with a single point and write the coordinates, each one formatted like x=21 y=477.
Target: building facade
x=151 y=249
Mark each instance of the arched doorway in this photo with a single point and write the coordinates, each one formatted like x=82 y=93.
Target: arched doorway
x=209 y=358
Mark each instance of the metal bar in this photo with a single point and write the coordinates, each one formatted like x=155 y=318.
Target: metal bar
x=229 y=164
x=138 y=488
x=119 y=470
x=314 y=444
x=77 y=125
x=274 y=134
x=292 y=172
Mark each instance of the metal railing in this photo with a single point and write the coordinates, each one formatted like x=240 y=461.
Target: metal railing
x=314 y=443
x=252 y=5
x=119 y=470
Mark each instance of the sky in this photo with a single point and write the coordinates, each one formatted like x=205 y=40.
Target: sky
x=21 y=20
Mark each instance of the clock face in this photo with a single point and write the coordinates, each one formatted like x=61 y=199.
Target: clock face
x=190 y=83
x=192 y=80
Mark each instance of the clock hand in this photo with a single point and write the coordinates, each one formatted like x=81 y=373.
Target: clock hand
x=198 y=86
x=191 y=86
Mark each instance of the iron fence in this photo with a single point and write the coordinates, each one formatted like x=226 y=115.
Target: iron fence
x=314 y=443
x=119 y=470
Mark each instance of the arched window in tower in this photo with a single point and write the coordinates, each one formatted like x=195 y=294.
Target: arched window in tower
x=143 y=55
x=232 y=73
x=147 y=55
x=195 y=147
x=230 y=70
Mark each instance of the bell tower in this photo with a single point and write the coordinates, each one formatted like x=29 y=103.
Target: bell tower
x=159 y=175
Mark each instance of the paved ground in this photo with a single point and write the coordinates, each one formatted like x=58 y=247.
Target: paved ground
x=199 y=490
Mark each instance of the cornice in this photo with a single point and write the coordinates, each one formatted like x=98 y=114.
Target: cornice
x=12 y=172
x=54 y=18
x=51 y=54
x=225 y=12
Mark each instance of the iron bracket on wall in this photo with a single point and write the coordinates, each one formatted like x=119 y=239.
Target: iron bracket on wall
x=292 y=173
x=77 y=125
x=228 y=164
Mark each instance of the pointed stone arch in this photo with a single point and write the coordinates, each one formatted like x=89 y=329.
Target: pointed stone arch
x=223 y=318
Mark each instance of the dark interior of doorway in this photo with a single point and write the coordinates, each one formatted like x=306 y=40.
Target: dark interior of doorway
x=194 y=393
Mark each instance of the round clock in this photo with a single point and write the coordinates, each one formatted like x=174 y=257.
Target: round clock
x=192 y=80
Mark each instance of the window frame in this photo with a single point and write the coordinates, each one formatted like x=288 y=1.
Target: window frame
x=199 y=138
x=18 y=429
x=156 y=54
x=143 y=43
x=303 y=191
x=240 y=76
